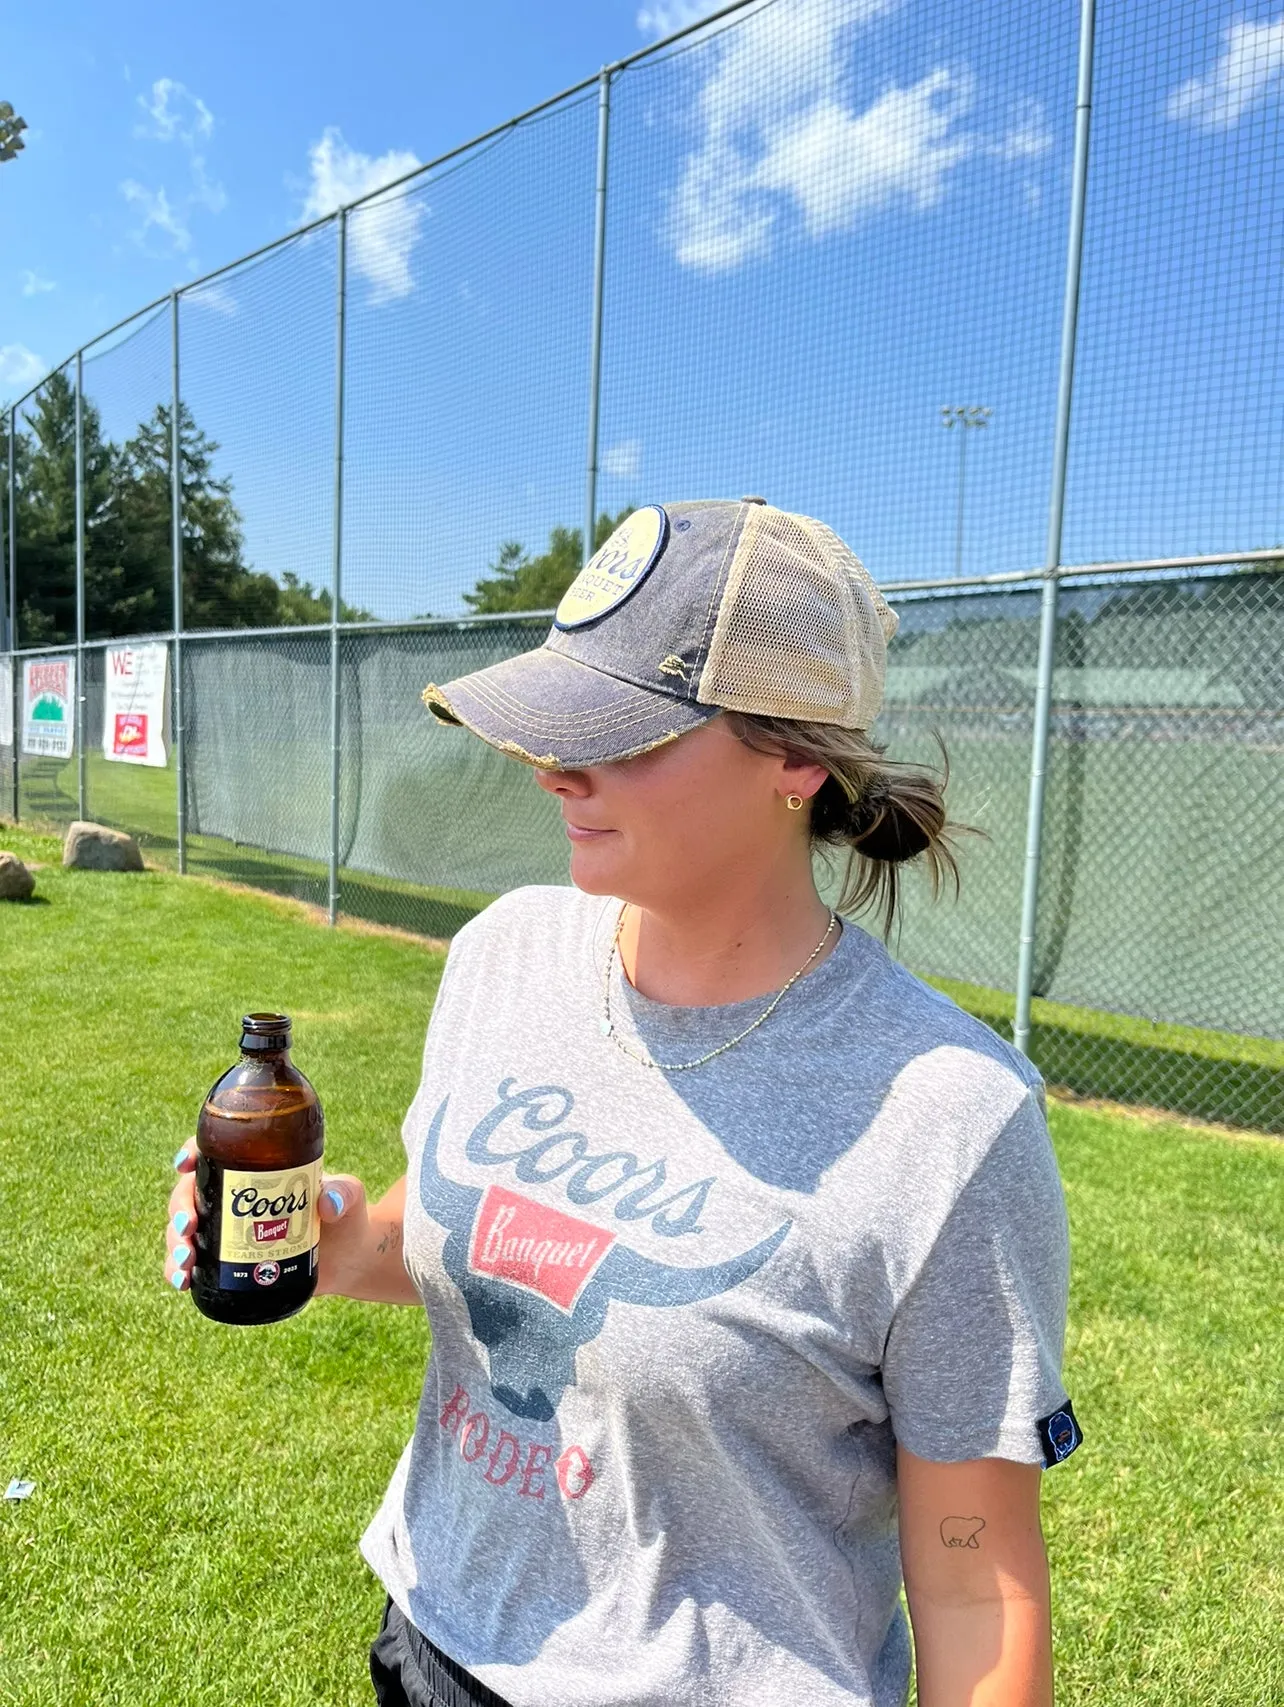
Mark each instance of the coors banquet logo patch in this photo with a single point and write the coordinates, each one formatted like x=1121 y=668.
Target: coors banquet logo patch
x=269 y=1217
x=616 y=570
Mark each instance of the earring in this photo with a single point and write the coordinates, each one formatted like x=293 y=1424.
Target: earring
x=794 y=802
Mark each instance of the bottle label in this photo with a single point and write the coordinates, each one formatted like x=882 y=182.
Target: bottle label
x=270 y=1226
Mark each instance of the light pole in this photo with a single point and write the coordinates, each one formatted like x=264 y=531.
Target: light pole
x=963 y=416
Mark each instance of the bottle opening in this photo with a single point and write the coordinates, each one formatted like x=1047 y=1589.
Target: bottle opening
x=265 y=1031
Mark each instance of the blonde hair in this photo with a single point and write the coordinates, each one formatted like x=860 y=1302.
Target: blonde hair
x=881 y=812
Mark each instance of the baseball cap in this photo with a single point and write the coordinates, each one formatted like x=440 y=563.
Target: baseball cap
x=685 y=611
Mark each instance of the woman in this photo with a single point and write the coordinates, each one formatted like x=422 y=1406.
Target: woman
x=744 y=1251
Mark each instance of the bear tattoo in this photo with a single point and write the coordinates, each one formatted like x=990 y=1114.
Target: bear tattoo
x=962 y=1531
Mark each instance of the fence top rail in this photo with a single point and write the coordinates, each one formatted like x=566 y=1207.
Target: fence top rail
x=1271 y=560
x=551 y=101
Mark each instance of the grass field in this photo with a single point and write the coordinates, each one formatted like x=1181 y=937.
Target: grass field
x=1212 y=1075
x=200 y=1491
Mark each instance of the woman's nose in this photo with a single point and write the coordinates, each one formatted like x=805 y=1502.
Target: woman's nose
x=572 y=785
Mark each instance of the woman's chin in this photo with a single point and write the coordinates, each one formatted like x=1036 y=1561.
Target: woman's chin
x=593 y=870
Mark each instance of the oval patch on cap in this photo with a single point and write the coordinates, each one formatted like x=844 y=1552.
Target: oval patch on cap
x=616 y=569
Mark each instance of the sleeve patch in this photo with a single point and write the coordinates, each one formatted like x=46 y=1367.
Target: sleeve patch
x=1059 y=1434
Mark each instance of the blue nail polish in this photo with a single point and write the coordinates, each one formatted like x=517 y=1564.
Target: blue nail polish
x=178 y=1159
x=180 y=1254
x=178 y=1280
x=182 y=1221
x=336 y=1200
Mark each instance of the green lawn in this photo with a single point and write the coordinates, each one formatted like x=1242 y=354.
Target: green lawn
x=200 y=1490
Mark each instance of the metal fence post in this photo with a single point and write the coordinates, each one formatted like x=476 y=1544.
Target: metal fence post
x=336 y=578
x=1056 y=510
x=599 y=276
x=176 y=540
x=13 y=602
x=79 y=733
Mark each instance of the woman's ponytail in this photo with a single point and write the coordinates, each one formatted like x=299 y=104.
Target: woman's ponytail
x=881 y=812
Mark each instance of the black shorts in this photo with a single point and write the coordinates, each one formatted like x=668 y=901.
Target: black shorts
x=408 y=1671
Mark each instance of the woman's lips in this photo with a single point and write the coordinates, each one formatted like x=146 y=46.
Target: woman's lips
x=578 y=833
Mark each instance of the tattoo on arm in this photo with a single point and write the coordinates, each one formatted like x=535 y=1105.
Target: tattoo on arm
x=962 y=1531
x=391 y=1237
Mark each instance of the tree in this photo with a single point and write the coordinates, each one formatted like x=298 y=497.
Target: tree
x=45 y=513
x=521 y=583
x=11 y=126
x=301 y=603
x=219 y=590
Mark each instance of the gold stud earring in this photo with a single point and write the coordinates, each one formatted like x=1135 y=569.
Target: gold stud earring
x=794 y=802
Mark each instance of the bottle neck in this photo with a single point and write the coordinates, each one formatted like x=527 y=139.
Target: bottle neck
x=253 y=1050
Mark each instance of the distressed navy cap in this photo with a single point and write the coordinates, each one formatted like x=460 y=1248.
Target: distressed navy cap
x=687 y=610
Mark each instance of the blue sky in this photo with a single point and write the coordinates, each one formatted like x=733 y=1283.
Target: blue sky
x=823 y=225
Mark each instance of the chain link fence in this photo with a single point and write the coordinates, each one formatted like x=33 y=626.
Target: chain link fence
x=778 y=252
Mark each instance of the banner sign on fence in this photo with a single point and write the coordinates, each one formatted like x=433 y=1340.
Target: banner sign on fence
x=134 y=701
x=6 y=702
x=48 y=717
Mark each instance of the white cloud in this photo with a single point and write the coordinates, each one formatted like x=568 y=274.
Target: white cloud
x=216 y=297
x=1027 y=137
x=623 y=460
x=175 y=114
x=838 y=166
x=157 y=214
x=383 y=232
x=1249 y=67
x=20 y=367
x=663 y=20
x=781 y=140
x=34 y=285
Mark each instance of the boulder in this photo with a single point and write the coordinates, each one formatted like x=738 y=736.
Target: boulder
x=93 y=847
x=16 y=882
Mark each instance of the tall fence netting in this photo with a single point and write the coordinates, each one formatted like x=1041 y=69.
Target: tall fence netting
x=835 y=247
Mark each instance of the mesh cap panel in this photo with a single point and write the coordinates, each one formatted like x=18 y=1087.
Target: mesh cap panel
x=802 y=630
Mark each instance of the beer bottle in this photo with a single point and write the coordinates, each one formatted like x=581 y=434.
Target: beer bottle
x=259 y=1138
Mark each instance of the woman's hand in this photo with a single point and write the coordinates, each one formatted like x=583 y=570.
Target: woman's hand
x=359 y=1254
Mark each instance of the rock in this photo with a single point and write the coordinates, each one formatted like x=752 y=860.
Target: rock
x=16 y=882
x=93 y=847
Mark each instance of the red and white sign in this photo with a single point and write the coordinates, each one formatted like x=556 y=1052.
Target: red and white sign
x=266 y=1231
x=535 y=1247
x=134 y=701
x=48 y=711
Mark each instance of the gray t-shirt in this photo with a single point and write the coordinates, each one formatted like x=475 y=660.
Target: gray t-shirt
x=680 y=1320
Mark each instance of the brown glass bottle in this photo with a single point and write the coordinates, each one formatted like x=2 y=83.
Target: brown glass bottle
x=259 y=1140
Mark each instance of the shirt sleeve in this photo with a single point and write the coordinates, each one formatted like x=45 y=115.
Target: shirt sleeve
x=972 y=1361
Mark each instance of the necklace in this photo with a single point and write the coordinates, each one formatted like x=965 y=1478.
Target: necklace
x=607 y=1025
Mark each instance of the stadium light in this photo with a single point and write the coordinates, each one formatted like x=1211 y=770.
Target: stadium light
x=962 y=415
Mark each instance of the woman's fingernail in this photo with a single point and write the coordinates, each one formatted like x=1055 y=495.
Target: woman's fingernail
x=182 y=1221
x=178 y=1280
x=180 y=1254
x=336 y=1200
x=180 y=1157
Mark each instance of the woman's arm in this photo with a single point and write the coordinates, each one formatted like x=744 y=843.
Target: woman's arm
x=361 y=1244
x=976 y=1578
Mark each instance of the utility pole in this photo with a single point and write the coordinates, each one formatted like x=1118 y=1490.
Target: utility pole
x=963 y=416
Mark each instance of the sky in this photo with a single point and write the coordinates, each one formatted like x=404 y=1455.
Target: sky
x=823 y=225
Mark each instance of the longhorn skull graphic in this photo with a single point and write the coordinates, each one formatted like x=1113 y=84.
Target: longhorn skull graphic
x=530 y=1342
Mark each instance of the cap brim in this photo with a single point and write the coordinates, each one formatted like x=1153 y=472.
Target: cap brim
x=559 y=714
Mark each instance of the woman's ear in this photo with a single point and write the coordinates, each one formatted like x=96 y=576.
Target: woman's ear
x=800 y=776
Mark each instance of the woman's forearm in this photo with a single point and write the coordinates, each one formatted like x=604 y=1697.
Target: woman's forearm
x=995 y=1653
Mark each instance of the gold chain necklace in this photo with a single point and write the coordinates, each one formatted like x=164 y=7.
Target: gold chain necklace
x=607 y=1025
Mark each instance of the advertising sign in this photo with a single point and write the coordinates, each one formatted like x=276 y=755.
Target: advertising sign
x=6 y=702
x=48 y=707
x=134 y=701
